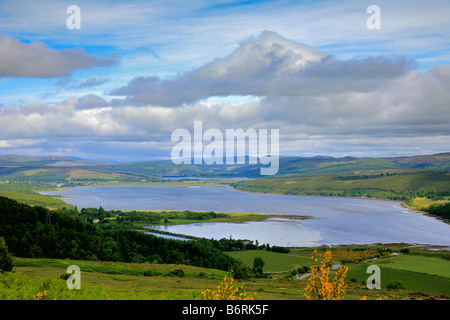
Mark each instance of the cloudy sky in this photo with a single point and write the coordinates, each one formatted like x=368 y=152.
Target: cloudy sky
x=116 y=88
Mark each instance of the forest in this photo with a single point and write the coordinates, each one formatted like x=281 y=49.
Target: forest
x=37 y=232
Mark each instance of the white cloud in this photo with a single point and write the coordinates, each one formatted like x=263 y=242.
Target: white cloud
x=266 y=65
x=36 y=60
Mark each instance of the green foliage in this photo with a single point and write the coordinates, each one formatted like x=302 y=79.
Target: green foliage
x=117 y=219
x=258 y=265
x=395 y=285
x=280 y=249
x=27 y=234
x=6 y=260
x=242 y=272
x=178 y=273
x=440 y=210
x=303 y=269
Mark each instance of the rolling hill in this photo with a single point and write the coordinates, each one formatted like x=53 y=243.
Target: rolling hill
x=63 y=169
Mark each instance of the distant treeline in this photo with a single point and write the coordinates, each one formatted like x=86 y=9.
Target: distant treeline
x=239 y=244
x=40 y=233
x=363 y=176
x=118 y=219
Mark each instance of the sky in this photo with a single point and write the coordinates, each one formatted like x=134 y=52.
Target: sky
x=115 y=87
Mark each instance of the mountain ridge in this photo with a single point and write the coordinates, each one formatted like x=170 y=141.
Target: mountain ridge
x=24 y=168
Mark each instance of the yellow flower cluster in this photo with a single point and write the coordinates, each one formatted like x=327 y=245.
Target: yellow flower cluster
x=227 y=290
x=365 y=298
x=320 y=286
x=40 y=295
x=357 y=255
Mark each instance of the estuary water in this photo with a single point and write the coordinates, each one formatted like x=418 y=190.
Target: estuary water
x=332 y=220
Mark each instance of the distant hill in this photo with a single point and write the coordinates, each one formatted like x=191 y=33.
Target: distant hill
x=395 y=186
x=66 y=169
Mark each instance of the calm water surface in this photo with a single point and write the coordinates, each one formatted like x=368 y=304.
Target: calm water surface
x=333 y=220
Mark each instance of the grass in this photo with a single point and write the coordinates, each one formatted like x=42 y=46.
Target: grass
x=429 y=265
x=421 y=202
x=423 y=271
x=274 y=262
x=425 y=274
x=35 y=199
x=415 y=281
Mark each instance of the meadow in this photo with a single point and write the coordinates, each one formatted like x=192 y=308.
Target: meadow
x=423 y=275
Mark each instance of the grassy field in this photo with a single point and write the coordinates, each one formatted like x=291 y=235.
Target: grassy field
x=142 y=281
x=420 y=202
x=274 y=262
x=35 y=199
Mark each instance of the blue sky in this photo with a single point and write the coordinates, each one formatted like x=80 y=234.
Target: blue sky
x=136 y=70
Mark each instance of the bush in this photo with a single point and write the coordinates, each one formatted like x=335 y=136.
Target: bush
x=395 y=285
x=64 y=276
x=320 y=285
x=227 y=290
x=177 y=273
x=303 y=269
x=280 y=249
x=6 y=262
x=241 y=271
x=148 y=273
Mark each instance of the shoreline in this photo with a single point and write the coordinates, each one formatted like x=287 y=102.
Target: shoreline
x=222 y=183
x=230 y=184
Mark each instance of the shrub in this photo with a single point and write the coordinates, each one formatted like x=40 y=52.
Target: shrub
x=227 y=290
x=241 y=271
x=395 y=285
x=148 y=273
x=6 y=262
x=178 y=273
x=303 y=269
x=320 y=286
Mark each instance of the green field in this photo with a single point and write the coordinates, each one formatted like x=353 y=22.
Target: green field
x=425 y=274
x=274 y=262
x=429 y=265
